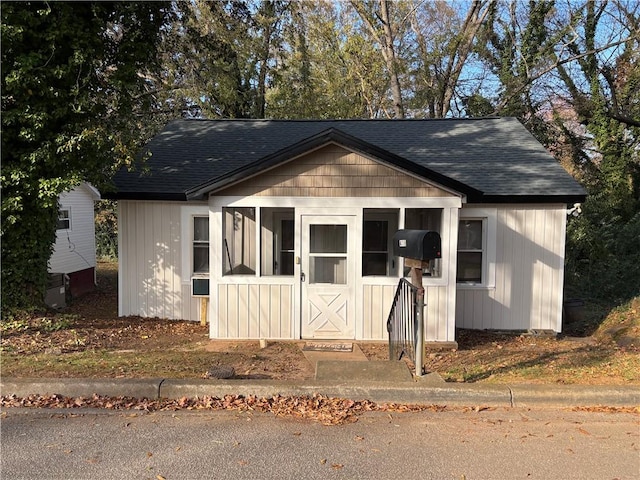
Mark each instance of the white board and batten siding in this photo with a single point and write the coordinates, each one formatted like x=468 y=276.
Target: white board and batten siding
x=377 y=301
x=151 y=277
x=75 y=247
x=154 y=275
x=529 y=270
x=252 y=310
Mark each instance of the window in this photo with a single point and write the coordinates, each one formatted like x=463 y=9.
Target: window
x=425 y=219
x=200 y=245
x=377 y=232
x=64 y=219
x=277 y=238
x=239 y=241
x=328 y=254
x=284 y=247
x=471 y=248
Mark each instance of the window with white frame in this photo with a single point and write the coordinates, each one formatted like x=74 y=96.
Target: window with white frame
x=472 y=245
x=200 y=245
x=64 y=219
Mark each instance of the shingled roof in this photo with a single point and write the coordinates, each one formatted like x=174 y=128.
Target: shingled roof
x=486 y=159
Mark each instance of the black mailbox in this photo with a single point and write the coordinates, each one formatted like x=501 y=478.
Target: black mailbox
x=417 y=244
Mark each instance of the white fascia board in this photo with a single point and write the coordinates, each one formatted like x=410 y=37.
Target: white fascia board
x=337 y=202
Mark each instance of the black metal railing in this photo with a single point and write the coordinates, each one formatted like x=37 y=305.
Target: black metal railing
x=401 y=324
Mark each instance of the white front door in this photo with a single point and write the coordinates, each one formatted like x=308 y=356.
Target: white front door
x=328 y=276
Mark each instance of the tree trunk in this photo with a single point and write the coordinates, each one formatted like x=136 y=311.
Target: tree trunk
x=390 y=58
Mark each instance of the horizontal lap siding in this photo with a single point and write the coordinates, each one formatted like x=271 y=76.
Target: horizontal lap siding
x=255 y=311
x=150 y=262
x=529 y=274
x=75 y=249
x=334 y=172
x=377 y=304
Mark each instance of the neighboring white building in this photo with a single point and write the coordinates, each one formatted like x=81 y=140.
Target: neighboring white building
x=286 y=226
x=75 y=249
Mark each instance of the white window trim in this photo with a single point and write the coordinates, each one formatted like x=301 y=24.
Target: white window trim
x=60 y=210
x=186 y=234
x=489 y=237
x=195 y=242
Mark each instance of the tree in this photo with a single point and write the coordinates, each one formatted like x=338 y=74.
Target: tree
x=570 y=73
x=603 y=241
x=74 y=108
x=444 y=42
x=384 y=30
x=327 y=70
x=218 y=57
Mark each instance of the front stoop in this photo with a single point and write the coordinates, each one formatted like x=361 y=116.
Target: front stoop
x=314 y=356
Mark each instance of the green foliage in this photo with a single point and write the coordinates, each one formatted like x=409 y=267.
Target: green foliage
x=603 y=258
x=46 y=324
x=106 y=223
x=18 y=324
x=603 y=254
x=58 y=322
x=218 y=57
x=73 y=109
x=329 y=70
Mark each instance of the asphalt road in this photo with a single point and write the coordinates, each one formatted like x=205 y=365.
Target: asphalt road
x=500 y=443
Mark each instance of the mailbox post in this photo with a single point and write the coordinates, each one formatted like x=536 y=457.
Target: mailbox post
x=417 y=247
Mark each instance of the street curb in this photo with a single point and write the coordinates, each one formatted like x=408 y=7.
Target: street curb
x=82 y=387
x=575 y=395
x=380 y=392
x=436 y=393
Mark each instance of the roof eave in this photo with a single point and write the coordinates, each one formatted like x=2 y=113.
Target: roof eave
x=569 y=199
x=171 y=197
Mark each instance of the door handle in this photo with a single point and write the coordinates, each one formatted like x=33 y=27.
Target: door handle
x=302 y=277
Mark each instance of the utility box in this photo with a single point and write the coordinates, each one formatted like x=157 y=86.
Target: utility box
x=55 y=296
x=420 y=245
x=199 y=287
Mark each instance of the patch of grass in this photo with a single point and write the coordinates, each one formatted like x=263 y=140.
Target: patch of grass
x=570 y=364
x=104 y=363
x=622 y=322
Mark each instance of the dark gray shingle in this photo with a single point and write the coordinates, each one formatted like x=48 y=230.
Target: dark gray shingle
x=495 y=156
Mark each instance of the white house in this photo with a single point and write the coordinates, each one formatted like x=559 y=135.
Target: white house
x=75 y=248
x=285 y=227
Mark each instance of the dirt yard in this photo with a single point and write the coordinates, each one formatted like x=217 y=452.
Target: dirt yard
x=88 y=340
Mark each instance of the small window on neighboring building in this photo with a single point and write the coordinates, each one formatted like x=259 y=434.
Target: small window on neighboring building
x=200 y=245
x=64 y=219
x=471 y=251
